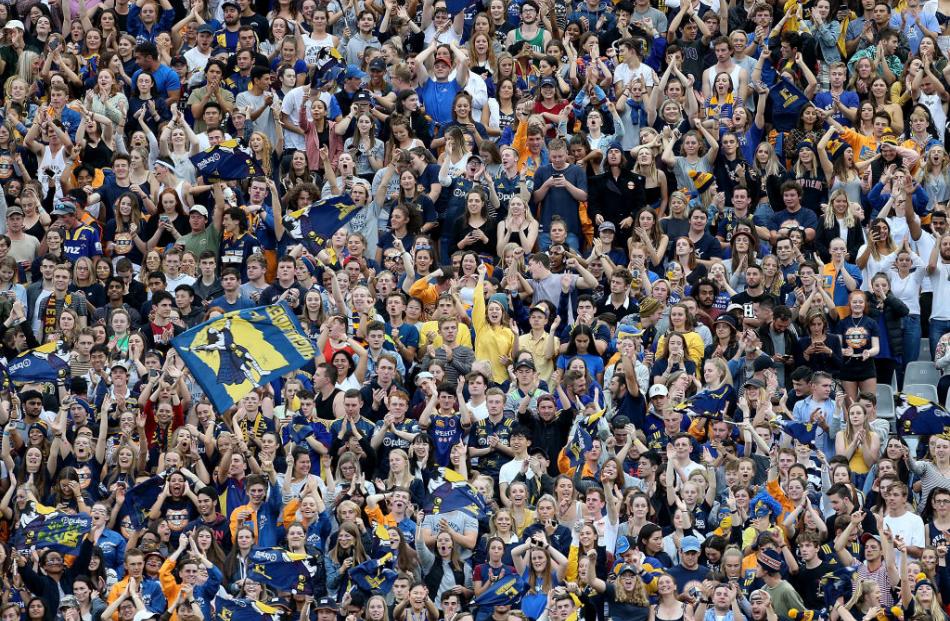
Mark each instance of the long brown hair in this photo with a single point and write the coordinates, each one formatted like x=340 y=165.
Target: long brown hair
x=358 y=554
x=546 y=581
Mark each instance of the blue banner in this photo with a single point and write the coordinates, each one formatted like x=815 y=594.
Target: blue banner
x=41 y=364
x=787 y=103
x=504 y=592
x=315 y=224
x=225 y=161
x=456 y=494
x=244 y=610
x=802 y=432
x=375 y=575
x=707 y=403
x=283 y=570
x=56 y=531
x=297 y=431
x=232 y=354
x=139 y=500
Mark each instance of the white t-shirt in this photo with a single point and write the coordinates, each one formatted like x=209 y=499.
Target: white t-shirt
x=181 y=279
x=478 y=412
x=910 y=527
x=874 y=266
x=940 y=281
x=197 y=61
x=623 y=74
x=510 y=470
x=924 y=247
x=293 y=101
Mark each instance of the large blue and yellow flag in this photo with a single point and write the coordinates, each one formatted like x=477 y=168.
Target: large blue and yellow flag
x=58 y=531
x=227 y=609
x=582 y=440
x=315 y=224
x=226 y=160
x=375 y=575
x=504 y=592
x=232 y=354
x=580 y=443
x=40 y=364
x=282 y=570
x=297 y=431
x=456 y=494
x=919 y=416
x=787 y=101
x=802 y=432
x=139 y=500
x=708 y=403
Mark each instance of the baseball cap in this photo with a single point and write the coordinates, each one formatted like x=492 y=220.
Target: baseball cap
x=548 y=81
x=326 y=603
x=762 y=362
x=541 y=308
x=377 y=64
x=231 y=3
x=866 y=536
x=475 y=157
x=626 y=568
x=205 y=28
x=658 y=390
x=525 y=364
x=200 y=209
x=537 y=450
x=607 y=225
x=120 y=364
x=620 y=421
x=689 y=543
x=178 y=60
x=142 y=615
x=755 y=382
x=14 y=210
x=68 y=601
x=14 y=24
x=623 y=544
x=363 y=97
x=64 y=207
x=442 y=60
x=352 y=71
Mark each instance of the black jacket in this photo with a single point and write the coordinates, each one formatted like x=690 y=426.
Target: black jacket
x=791 y=341
x=48 y=589
x=824 y=236
x=616 y=199
x=894 y=310
x=552 y=436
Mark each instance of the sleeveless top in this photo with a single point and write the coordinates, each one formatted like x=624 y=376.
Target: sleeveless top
x=734 y=75
x=536 y=42
x=55 y=163
x=851 y=188
x=324 y=407
x=656 y=613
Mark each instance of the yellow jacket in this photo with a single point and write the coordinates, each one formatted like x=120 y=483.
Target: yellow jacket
x=491 y=342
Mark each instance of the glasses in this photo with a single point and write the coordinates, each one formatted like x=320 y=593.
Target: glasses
x=942 y=501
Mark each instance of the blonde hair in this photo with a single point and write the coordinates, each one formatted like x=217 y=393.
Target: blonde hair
x=830 y=218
